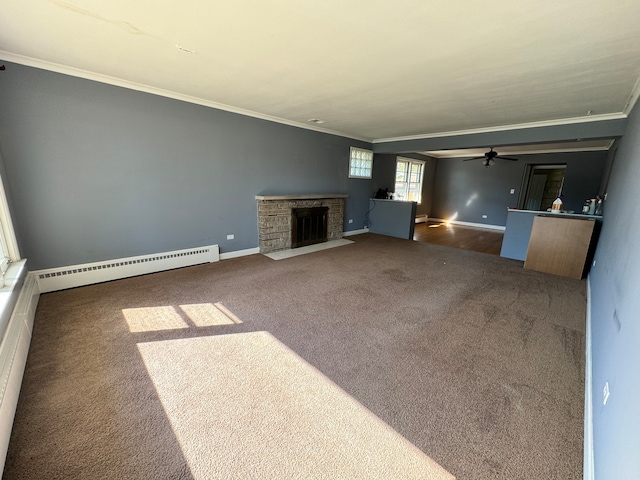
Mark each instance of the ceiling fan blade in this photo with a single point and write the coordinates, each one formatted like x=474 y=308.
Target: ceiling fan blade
x=507 y=158
x=474 y=158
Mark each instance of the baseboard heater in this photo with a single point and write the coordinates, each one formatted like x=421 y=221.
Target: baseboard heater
x=13 y=357
x=62 y=278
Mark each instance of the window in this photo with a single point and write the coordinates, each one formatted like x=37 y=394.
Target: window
x=360 y=163
x=409 y=175
x=8 y=244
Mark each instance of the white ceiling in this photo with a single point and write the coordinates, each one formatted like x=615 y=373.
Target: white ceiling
x=369 y=69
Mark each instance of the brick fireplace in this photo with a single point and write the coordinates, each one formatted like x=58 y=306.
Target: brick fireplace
x=275 y=217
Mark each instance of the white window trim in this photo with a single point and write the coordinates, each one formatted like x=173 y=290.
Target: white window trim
x=7 y=234
x=351 y=150
x=410 y=161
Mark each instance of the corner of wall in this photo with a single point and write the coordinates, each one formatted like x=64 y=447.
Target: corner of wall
x=588 y=462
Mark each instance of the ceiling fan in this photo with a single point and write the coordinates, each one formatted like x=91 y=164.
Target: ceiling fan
x=489 y=158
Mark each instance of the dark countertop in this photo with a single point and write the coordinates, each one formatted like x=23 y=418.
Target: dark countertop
x=561 y=214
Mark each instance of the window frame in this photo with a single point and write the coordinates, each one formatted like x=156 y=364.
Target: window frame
x=353 y=168
x=8 y=244
x=405 y=196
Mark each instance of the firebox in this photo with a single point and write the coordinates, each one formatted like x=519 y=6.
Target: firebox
x=308 y=226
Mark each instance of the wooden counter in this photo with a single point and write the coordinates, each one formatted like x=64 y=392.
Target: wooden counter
x=560 y=245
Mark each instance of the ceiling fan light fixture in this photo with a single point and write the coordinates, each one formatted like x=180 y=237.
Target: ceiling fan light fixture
x=489 y=158
x=487 y=162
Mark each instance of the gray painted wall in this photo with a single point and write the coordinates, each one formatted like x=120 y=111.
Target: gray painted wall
x=392 y=217
x=472 y=190
x=384 y=176
x=384 y=171
x=100 y=172
x=615 y=317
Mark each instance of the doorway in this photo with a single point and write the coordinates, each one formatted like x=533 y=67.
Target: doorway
x=543 y=184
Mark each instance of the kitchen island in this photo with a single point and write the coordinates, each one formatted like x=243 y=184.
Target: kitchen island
x=518 y=230
x=395 y=218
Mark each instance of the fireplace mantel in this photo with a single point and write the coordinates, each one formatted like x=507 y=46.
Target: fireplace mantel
x=311 y=196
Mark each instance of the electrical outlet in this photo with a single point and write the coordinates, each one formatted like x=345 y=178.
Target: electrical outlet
x=484 y=216
x=605 y=393
x=351 y=220
x=512 y=191
x=231 y=236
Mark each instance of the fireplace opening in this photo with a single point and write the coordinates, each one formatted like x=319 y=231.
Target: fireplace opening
x=308 y=226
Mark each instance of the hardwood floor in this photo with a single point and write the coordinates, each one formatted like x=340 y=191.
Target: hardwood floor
x=458 y=236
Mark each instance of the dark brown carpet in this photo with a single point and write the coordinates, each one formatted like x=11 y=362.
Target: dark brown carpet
x=383 y=356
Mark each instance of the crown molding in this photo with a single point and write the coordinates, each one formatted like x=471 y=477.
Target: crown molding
x=118 y=82
x=603 y=148
x=530 y=152
x=504 y=128
x=633 y=97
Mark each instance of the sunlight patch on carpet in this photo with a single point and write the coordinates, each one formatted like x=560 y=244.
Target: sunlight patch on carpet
x=209 y=314
x=151 y=319
x=246 y=406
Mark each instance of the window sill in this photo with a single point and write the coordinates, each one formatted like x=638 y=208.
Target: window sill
x=13 y=279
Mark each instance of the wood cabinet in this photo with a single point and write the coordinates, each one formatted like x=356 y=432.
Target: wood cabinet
x=560 y=245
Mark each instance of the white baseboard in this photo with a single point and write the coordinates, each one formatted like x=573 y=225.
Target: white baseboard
x=239 y=253
x=422 y=218
x=60 y=278
x=588 y=460
x=13 y=357
x=469 y=224
x=355 y=232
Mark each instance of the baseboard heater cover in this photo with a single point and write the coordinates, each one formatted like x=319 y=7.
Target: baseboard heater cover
x=13 y=358
x=62 y=278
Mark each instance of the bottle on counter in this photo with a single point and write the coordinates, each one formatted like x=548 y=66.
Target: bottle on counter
x=556 y=206
x=598 y=210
